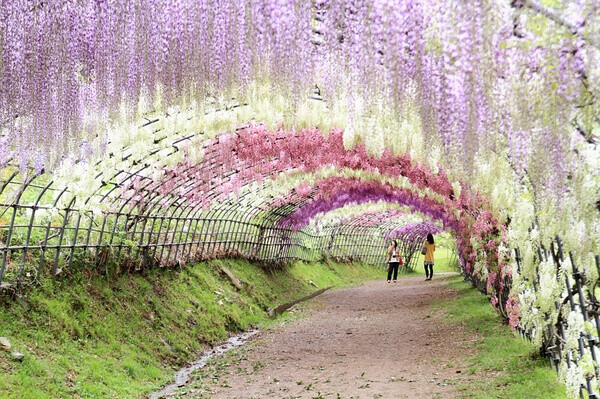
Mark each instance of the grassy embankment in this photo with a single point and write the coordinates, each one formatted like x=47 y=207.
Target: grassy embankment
x=518 y=371
x=91 y=337
x=504 y=365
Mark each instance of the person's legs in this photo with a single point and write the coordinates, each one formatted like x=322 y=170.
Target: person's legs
x=396 y=265
x=428 y=270
x=390 y=267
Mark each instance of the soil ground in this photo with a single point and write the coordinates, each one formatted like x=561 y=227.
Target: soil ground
x=377 y=340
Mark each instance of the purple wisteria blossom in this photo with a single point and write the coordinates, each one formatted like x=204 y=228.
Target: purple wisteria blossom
x=69 y=68
x=415 y=229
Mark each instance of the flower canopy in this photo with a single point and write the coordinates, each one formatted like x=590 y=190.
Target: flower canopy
x=160 y=132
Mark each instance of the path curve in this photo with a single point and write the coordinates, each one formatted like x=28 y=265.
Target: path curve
x=377 y=340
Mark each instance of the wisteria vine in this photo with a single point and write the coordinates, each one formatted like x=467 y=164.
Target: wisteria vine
x=483 y=115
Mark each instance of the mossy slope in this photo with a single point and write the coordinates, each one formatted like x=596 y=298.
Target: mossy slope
x=94 y=337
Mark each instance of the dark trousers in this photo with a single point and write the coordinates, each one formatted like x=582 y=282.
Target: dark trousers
x=428 y=269
x=393 y=267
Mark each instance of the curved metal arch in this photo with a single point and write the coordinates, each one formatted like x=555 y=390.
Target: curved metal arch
x=12 y=219
x=151 y=218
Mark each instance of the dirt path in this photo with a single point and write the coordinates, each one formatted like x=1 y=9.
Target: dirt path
x=374 y=341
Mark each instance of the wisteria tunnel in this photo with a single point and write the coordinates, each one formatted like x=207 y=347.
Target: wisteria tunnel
x=279 y=131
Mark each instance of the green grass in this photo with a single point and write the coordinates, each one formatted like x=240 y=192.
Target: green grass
x=522 y=373
x=88 y=337
x=445 y=261
x=444 y=256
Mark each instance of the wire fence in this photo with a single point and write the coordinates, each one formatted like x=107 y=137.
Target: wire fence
x=46 y=230
x=579 y=296
x=40 y=239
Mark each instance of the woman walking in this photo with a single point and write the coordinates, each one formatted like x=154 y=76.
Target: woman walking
x=394 y=260
x=429 y=249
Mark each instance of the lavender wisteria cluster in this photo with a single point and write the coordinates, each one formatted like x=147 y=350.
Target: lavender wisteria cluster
x=360 y=194
x=415 y=229
x=473 y=73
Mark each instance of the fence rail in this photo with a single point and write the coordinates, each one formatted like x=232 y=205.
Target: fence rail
x=34 y=245
x=579 y=296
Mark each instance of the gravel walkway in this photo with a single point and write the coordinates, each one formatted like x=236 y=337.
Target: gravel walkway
x=377 y=340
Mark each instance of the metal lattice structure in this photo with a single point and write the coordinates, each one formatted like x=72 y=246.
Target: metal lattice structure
x=45 y=230
x=577 y=299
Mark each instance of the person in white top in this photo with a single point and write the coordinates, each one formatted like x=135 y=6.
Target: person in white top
x=394 y=261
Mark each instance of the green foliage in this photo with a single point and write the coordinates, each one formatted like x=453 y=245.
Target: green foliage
x=121 y=337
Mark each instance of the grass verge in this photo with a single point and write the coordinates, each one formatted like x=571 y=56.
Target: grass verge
x=90 y=337
x=518 y=369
